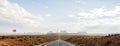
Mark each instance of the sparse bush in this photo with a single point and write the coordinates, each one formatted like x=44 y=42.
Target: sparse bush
x=30 y=45
x=108 y=42
x=20 y=40
x=36 y=43
x=3 y=37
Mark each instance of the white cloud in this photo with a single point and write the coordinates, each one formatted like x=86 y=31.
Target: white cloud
x=17 y=15
x=100 y=17
x=99 y=12
x=13 y=13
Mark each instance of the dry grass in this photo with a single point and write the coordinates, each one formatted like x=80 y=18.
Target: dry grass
x=25 y=40
x=111 y=40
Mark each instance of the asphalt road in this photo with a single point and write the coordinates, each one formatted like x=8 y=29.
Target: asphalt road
x=59 y=43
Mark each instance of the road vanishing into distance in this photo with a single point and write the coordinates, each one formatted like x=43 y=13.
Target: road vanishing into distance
x=58 y=43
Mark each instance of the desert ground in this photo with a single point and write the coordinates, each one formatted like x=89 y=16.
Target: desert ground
x=77 y=40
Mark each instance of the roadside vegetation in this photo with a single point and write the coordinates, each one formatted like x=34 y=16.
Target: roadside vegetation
x=25 y=40
x=78 y=40
x=108 y=40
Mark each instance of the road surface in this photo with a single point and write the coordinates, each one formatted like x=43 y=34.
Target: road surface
x=59 y=43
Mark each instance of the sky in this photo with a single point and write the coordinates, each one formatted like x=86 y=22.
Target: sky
x=91 y=16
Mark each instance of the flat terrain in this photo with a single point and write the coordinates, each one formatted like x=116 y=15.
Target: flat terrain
x=66 y=40
x=25 y=40
x=108 y=40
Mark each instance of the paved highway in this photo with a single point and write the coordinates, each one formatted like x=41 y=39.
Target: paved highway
x=59 y=43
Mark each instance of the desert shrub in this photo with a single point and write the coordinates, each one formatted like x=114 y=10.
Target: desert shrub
x=20 y=40
x=3 y=37
x=80 y=45
x=112 y=35
x=108 y=42
x=30 y=45
x=12 y=37
x=25 y=39
x=36 y=43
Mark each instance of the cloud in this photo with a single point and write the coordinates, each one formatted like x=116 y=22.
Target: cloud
x=99 y=15
x=98 y=12
x=13 y=13
x=101 y=19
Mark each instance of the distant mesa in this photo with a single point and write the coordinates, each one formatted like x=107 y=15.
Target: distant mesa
x=63 y=32
x=81 y=32
x=32 y=33
x=50 y=32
